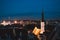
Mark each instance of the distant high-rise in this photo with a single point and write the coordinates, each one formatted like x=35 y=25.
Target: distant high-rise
x=42 y=23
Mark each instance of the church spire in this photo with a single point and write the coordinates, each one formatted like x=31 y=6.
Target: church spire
x=42 y=23
x=42 y=15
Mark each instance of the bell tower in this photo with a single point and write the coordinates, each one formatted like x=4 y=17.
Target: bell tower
x=42 y=23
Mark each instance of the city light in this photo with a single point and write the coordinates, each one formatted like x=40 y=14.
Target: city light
x=4 y=23
x=15 y=22
x=21 y=22
x=36 y=31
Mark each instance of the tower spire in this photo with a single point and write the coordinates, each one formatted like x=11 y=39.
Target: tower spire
x=42 y=15
x=42 y=23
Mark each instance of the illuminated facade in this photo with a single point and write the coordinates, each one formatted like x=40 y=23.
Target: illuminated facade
x=36 y=31
x=42 y=27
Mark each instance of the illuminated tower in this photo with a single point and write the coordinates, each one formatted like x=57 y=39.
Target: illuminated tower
x=42 y=23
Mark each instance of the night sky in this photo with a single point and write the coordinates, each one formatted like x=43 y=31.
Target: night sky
x=30 y=9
